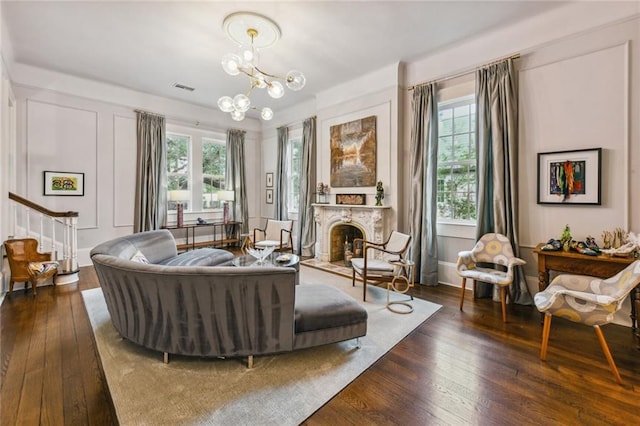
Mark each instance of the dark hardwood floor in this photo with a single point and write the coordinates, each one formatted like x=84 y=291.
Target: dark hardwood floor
x=456 y=368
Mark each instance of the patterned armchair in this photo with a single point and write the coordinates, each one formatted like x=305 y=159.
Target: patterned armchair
x=587 y=300
x=497 y=262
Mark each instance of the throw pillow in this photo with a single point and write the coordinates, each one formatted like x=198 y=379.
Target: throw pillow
x=139 y=257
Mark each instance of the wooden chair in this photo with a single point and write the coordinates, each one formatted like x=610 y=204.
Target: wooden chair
x=586 y=300
x=379 y=270
x=492 y=261
x=276 y=233
x=27 y=264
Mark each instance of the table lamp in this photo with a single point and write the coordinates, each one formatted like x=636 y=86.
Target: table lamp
x=179 y=196
x=226 y=196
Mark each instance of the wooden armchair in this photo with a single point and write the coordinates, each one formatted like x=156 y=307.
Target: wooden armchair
x=379 y=270
x=27 y=264
x=276 y=233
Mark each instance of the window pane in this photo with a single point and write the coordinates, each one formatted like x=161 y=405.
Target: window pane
x=456 y=184
x=177 y=154
x=445 y=149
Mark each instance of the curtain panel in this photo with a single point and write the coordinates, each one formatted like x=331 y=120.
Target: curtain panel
x=235 y=177
x=306 y=226
x=280 y=189
x=423 y=203
x=150 y=203
x=497 y=99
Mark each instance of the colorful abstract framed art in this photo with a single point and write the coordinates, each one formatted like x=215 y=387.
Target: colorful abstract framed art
x=570 y=177
x=63 y=183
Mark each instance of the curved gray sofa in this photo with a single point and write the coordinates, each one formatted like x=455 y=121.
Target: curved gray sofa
x=194 y=304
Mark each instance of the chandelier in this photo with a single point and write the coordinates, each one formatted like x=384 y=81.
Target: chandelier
x=252 y=32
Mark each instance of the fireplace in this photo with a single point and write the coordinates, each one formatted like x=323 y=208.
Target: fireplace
x=342 y=246
x=337 y=223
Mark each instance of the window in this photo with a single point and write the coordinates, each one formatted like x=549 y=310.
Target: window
x=456 y=186
x=196 y=163
x=177 y=165
x=214 y=160
x=294 y=166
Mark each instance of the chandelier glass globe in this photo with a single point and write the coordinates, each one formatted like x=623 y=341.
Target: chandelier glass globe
x=241 y=103
x=231 y=63
x=266 y=114
x=275 y=90
x=225 y=104
x=237 y=115
x=295 y=80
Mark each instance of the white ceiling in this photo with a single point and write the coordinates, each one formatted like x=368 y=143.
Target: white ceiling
x=148 y=46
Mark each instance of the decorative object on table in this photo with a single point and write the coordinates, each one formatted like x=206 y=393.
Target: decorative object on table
x=269 y=181
x=552 y=245
x=201 y=221
x=566 y=238
x=582 y=248
x=179 y=196
x=260 y=254
x=379 y=193
x=591 y=243
x=226 y=197
x=570 y=177
x=322 y=193
x=354 y=199
x=63 y=183
x=251 y=32
x=353 y=153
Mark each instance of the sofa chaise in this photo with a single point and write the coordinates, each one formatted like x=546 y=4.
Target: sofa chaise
x=195 y=304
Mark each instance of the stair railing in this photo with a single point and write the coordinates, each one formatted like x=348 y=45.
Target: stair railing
x=28 y=215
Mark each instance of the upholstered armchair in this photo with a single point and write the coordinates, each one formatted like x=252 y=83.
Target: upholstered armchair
x=378 y=269
x=276 y=233
x=586 y=300
x=492 y=261
x=27 y=264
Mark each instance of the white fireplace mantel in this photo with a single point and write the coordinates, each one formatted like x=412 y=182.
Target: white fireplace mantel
x=373 y=221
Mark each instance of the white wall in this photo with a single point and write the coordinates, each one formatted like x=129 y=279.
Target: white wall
x=94 y=132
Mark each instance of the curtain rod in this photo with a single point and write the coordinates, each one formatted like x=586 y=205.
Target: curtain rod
x=148 y=112
x=461 y=73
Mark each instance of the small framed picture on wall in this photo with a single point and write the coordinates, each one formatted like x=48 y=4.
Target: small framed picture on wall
x=269 y=196
x=270 y=180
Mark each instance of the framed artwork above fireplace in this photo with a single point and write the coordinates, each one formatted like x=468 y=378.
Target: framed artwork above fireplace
x=353 y=153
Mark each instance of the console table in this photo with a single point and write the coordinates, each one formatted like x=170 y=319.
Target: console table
x=223 y=234
x=600 y=266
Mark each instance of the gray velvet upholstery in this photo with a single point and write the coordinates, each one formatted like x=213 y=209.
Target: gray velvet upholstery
x=197 y=310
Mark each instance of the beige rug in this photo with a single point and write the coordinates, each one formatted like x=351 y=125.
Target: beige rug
x=281 y=389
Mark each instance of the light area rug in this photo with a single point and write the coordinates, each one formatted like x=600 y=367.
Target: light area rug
x=282 y=389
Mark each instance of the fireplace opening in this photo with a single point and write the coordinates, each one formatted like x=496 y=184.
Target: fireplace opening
x=342 y=248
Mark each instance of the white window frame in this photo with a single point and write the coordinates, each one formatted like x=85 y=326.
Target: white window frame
x=447 y=92
x=198 y=138
x=295 y=137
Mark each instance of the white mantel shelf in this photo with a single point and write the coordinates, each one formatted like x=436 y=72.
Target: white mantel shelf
x=373 y=221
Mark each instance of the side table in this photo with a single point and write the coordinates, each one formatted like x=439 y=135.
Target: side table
x=407 y=278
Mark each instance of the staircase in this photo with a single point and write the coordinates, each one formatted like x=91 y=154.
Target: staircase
x=56 y=232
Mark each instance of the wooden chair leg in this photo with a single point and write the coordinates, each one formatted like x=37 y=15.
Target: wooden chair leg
x=503 y=299
x=464 y=285
x=11 y=283
x=607 y=353
x=546 y=328
x=34 y=284
x=364 y=286
x=353 y=277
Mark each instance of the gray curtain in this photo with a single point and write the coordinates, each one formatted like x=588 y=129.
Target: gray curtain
x=280 y=189
x=150 y=207
x=235 y=177
x=497 y=100
x=422 y=205
x=306 y=226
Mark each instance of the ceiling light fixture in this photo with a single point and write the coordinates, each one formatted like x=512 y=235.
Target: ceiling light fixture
x=253 y=32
